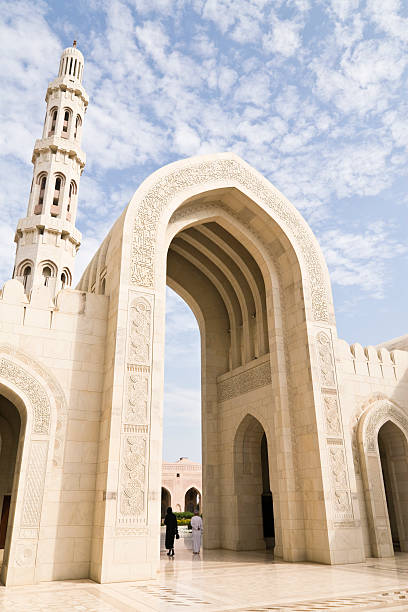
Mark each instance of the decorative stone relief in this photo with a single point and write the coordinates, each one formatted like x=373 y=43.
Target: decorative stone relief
x=138 y=394
x=132 y=504
x=251 y=379
x=342 y=502
x=38 y=398
x=372 y=427
x=133 y=476
x=326 y=360
x=34 y=489
x=209 y=172
x=26 y=553
x=60 y=431
x=140 y=332
x=333 y=426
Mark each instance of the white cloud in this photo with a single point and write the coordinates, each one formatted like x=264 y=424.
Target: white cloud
x=283 y=38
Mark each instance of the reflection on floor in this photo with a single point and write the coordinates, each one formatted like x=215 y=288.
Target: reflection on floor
x=222 y=581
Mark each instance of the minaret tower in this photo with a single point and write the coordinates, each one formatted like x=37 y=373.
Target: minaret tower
x=47 y=239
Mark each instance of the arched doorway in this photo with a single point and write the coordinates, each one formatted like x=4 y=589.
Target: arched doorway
x=192 y=500
x=393 y=450
x=255 y=526
x=10 y=429
x=165 y=501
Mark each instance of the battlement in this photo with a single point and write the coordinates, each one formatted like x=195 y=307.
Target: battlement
x=69 y=311
x=371 y=361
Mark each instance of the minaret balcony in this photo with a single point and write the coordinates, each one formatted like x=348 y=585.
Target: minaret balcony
x=56 y=143
x=68 y=83
x=56 y=224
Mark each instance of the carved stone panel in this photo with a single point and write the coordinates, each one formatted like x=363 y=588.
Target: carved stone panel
x=341 y=490
x=34 y=490
x=29 y=385
x=251 y=379
x=140 y=332
x=326 y=362
x=138 y=392
x=132 y=502
x=331 y=412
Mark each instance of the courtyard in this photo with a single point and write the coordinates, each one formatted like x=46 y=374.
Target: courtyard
x=221 y=581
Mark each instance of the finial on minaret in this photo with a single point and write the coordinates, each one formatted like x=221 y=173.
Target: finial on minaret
x=74 y=43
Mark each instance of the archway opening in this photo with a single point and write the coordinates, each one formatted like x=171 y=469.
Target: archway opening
x=10 y=429
x=393 y=449
x=165 y=501
x=192 y=500
x=255 y=517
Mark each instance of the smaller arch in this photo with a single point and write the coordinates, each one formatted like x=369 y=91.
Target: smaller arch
x=53 y=120
x=78 y=124
x=66 y=122
x=48 y=271
x=66 y=278
x=165 y=501
x=192 y=500
x=381 y=413
x=42 y=183
x=71 y=198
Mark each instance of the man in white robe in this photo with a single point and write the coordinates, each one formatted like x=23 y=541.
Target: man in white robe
x=197 y=530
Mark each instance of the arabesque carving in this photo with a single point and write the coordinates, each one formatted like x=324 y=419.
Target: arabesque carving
x=209 y=172
x=326 y=360
x=251 y=379
x=140 y=332
x=38 y=398
x=138 y=394
x=333 y=426
x=133 y=473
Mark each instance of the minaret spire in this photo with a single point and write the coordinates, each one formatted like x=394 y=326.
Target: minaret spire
x=47 y=239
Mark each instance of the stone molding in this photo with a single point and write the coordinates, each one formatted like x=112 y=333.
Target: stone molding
x=222 y=171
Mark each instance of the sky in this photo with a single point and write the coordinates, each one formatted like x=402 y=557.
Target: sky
x=312 y=93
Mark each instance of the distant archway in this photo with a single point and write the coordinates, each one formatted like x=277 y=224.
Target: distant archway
x=192 y=500
x=165 y=501
x=255 y=520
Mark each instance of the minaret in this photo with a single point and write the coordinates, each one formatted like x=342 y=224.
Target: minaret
x=47 y=239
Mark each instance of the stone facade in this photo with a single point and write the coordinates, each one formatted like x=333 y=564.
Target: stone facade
x=304 y=437
x=181 y=486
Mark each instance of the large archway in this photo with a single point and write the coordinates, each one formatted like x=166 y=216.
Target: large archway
x=250 y=269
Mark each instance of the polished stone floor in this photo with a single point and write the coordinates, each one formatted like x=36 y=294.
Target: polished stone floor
x=221 y=581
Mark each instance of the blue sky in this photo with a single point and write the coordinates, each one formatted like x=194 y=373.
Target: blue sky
x=311 y=93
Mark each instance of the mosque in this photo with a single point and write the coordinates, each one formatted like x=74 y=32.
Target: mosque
x=304 y=436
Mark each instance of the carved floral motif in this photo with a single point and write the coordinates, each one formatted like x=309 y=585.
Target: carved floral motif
x=326 y=360
x=37 y=396
x=333 y=426
x=140 y=330
x=132 y=497
x=138 y=395
x=251 y=379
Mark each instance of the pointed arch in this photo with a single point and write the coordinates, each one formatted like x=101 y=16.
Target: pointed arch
x=380 y=413
x=42 y=407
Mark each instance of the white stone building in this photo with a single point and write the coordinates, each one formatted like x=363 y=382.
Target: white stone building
x=304 y=436
x=181 y=486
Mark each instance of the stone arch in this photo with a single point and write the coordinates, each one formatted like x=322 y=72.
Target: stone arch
x=267 y=355
x=189 y=501
x=41 y=404
x=166 y=497
x=371 y=421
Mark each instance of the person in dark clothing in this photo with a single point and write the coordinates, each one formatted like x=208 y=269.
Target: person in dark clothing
x=171 y=531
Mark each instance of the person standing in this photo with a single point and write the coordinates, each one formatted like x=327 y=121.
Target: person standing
x=197 y=530
x=171 y=531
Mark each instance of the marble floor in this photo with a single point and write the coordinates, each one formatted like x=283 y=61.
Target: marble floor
x=222 y=581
